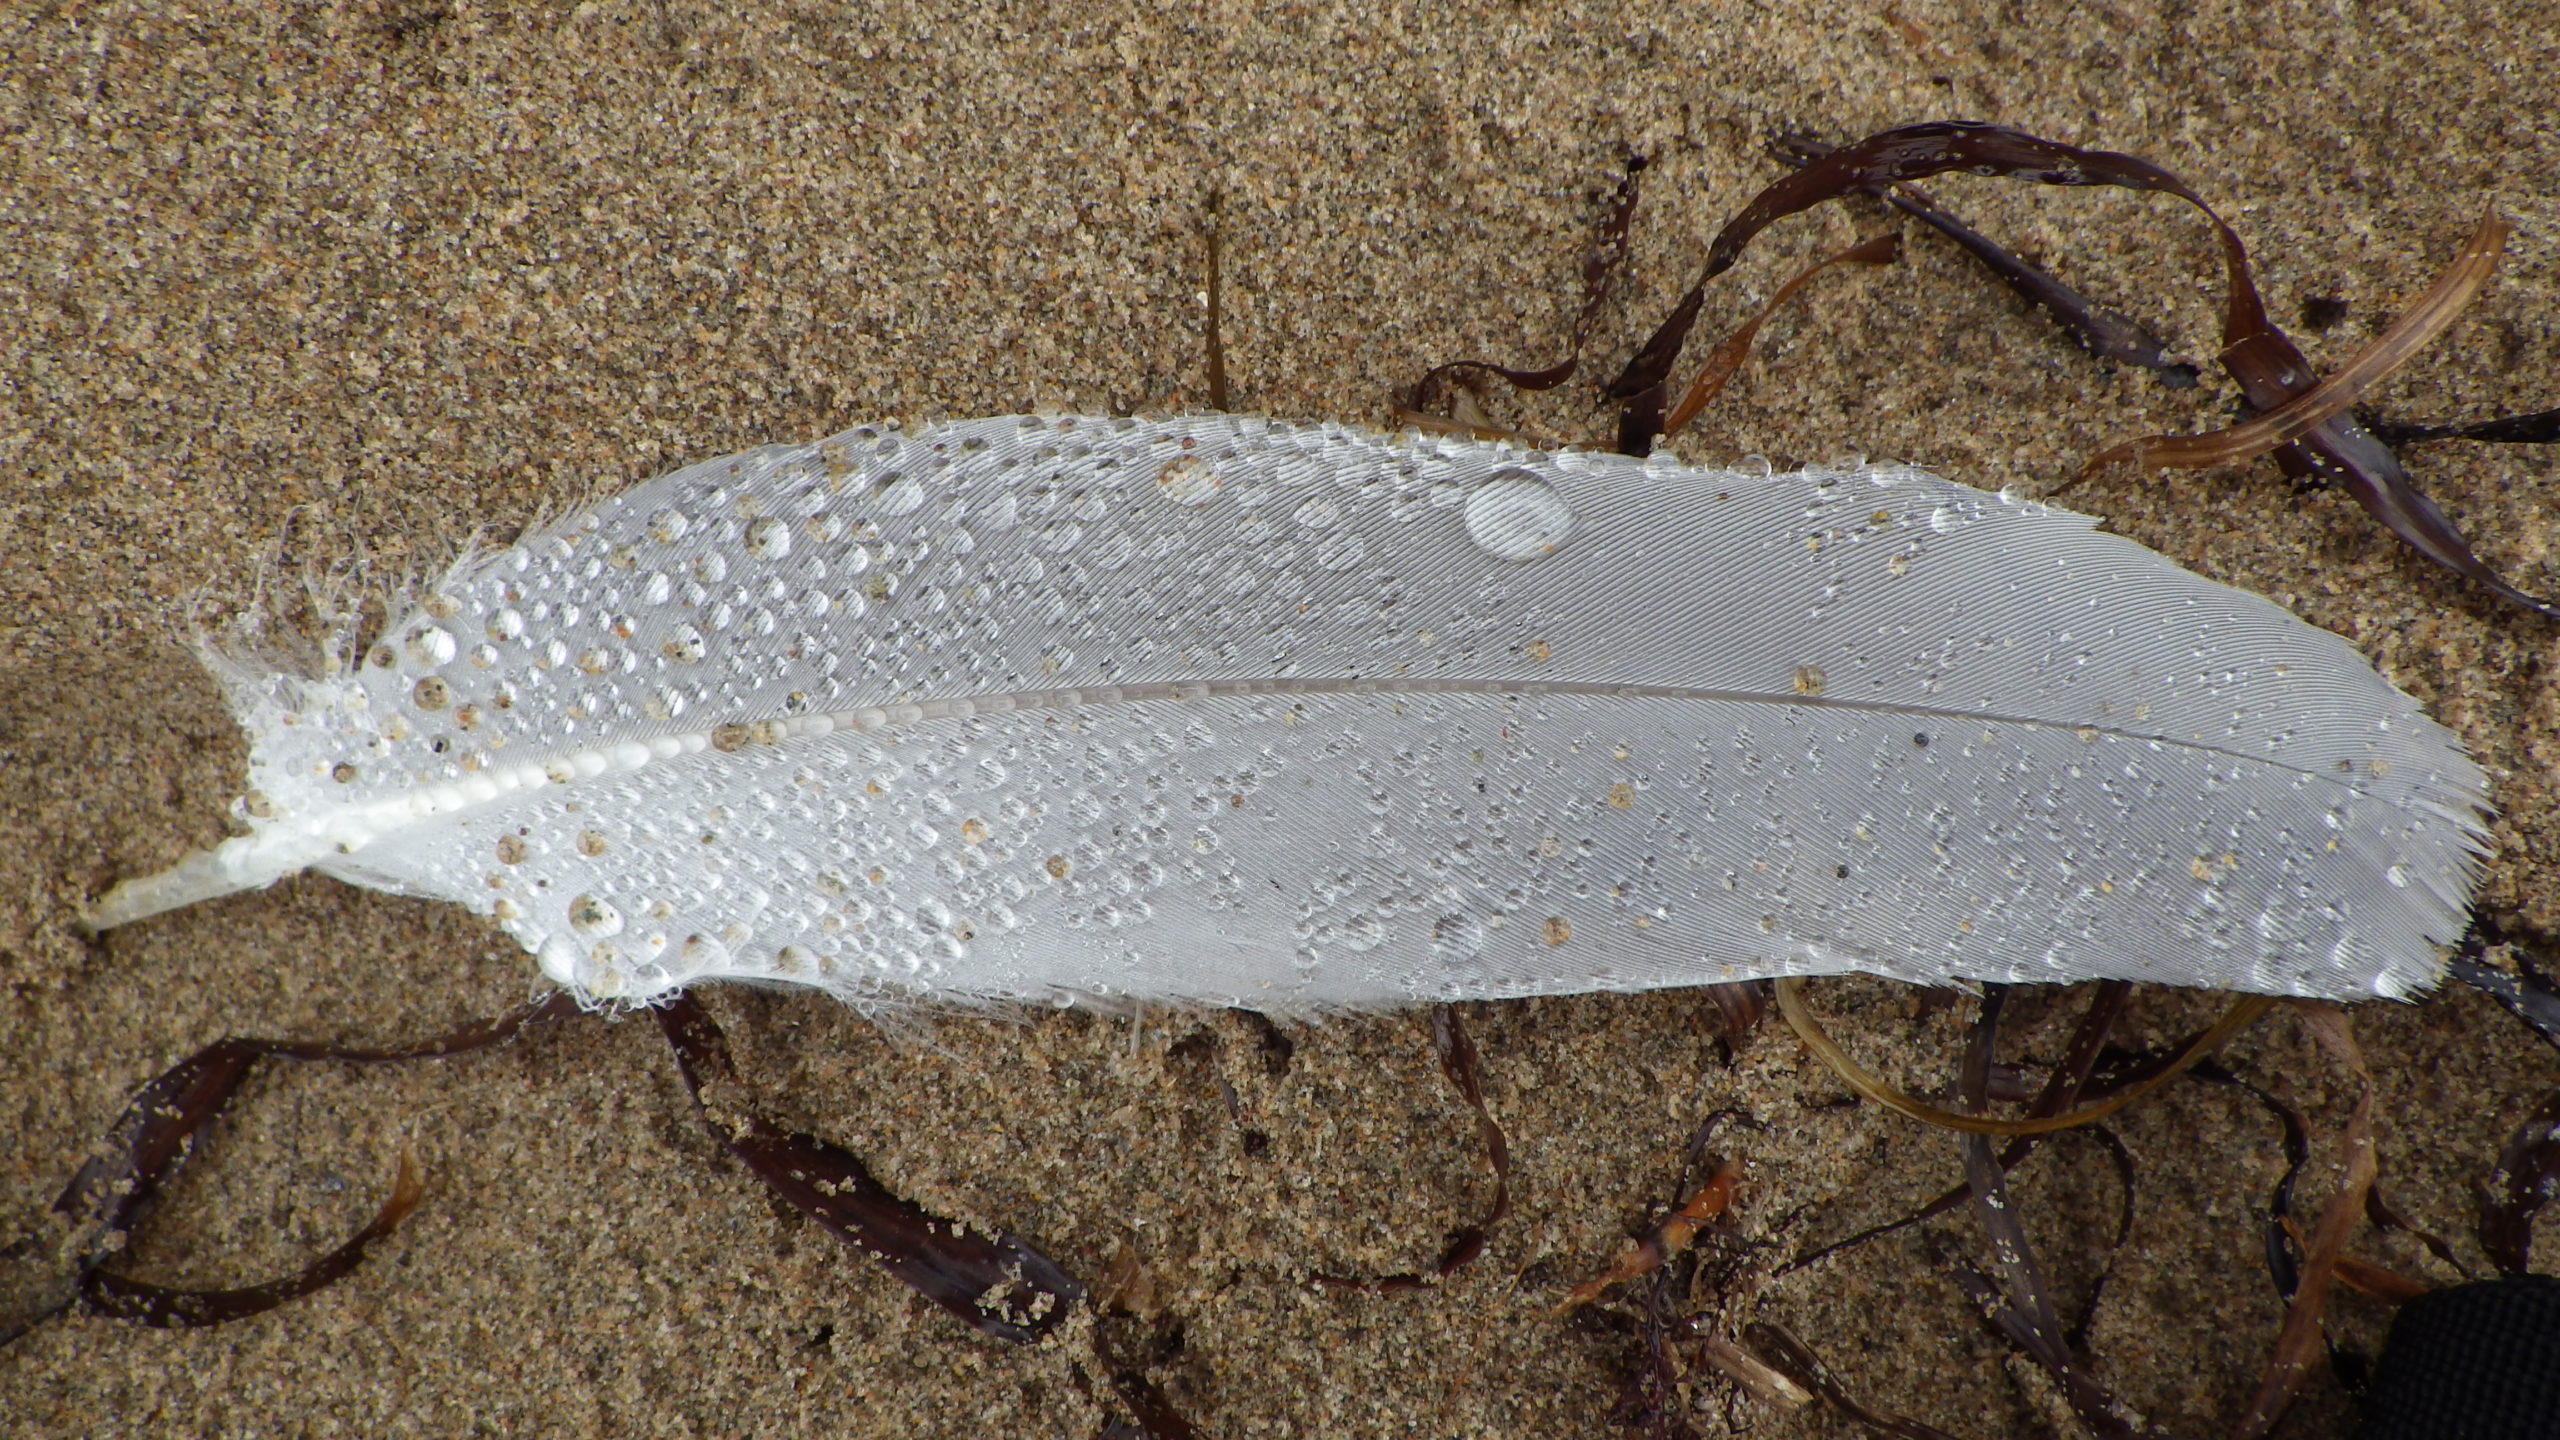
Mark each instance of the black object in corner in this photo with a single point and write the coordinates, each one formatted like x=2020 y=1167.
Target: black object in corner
x=2477 y=1362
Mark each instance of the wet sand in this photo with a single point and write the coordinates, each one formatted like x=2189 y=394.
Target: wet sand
x=295 y=303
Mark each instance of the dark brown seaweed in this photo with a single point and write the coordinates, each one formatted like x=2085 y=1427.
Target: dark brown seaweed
x=1214 y=325
x=2299 y=1340
x=2518 y=985
x=1740 y=1005
x=2382 y=1215
x=2062 y=1090
x=2242 y=1013
x=1732 y=351
x=2523 y=1181
x=1795 y=1360
x=2288 y=412
x=169 y=1308
x=1600 y=267
x=2270 y=369
x=1459 y=1062
x=2098 y=330
x=2542 y=427
x=61 y=1266
x=2016 y=1298
x=996 y=1283
x=1125 y=1366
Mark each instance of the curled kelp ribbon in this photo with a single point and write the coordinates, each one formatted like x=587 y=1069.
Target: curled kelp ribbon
x=1601 y=266
x=992 y=1280
x=2307 y=422
x=60 y=1265
x=2303 y=418
x=2100 y=331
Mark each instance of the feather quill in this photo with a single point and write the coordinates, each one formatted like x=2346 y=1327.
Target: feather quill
x=1301 y=718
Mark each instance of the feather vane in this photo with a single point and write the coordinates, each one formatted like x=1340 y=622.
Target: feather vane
x=1299 y=717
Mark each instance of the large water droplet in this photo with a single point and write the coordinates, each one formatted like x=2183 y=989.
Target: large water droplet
x=1517 y=516
x=1458 y=939
x=594 y=917
x=1187 y=480
x=901 y=497
x=428 y=646
x=769 y=539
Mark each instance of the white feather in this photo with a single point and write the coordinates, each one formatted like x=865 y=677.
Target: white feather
x=1298 y=717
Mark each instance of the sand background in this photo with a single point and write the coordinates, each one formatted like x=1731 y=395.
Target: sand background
x=288 y=288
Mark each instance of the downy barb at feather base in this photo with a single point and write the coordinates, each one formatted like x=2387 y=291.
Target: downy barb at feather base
x=1299 y=717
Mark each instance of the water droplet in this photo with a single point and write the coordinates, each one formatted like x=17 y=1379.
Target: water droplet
x=428 y=646
x=769 y=539
x=1116 y=552
x=591 y=916
x=901 y=497
x=1186 y=480
x=1517 y=516
x=1342 y=552
x=1458 y=939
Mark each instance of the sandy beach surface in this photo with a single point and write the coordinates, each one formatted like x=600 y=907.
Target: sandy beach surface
x=309 y=296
